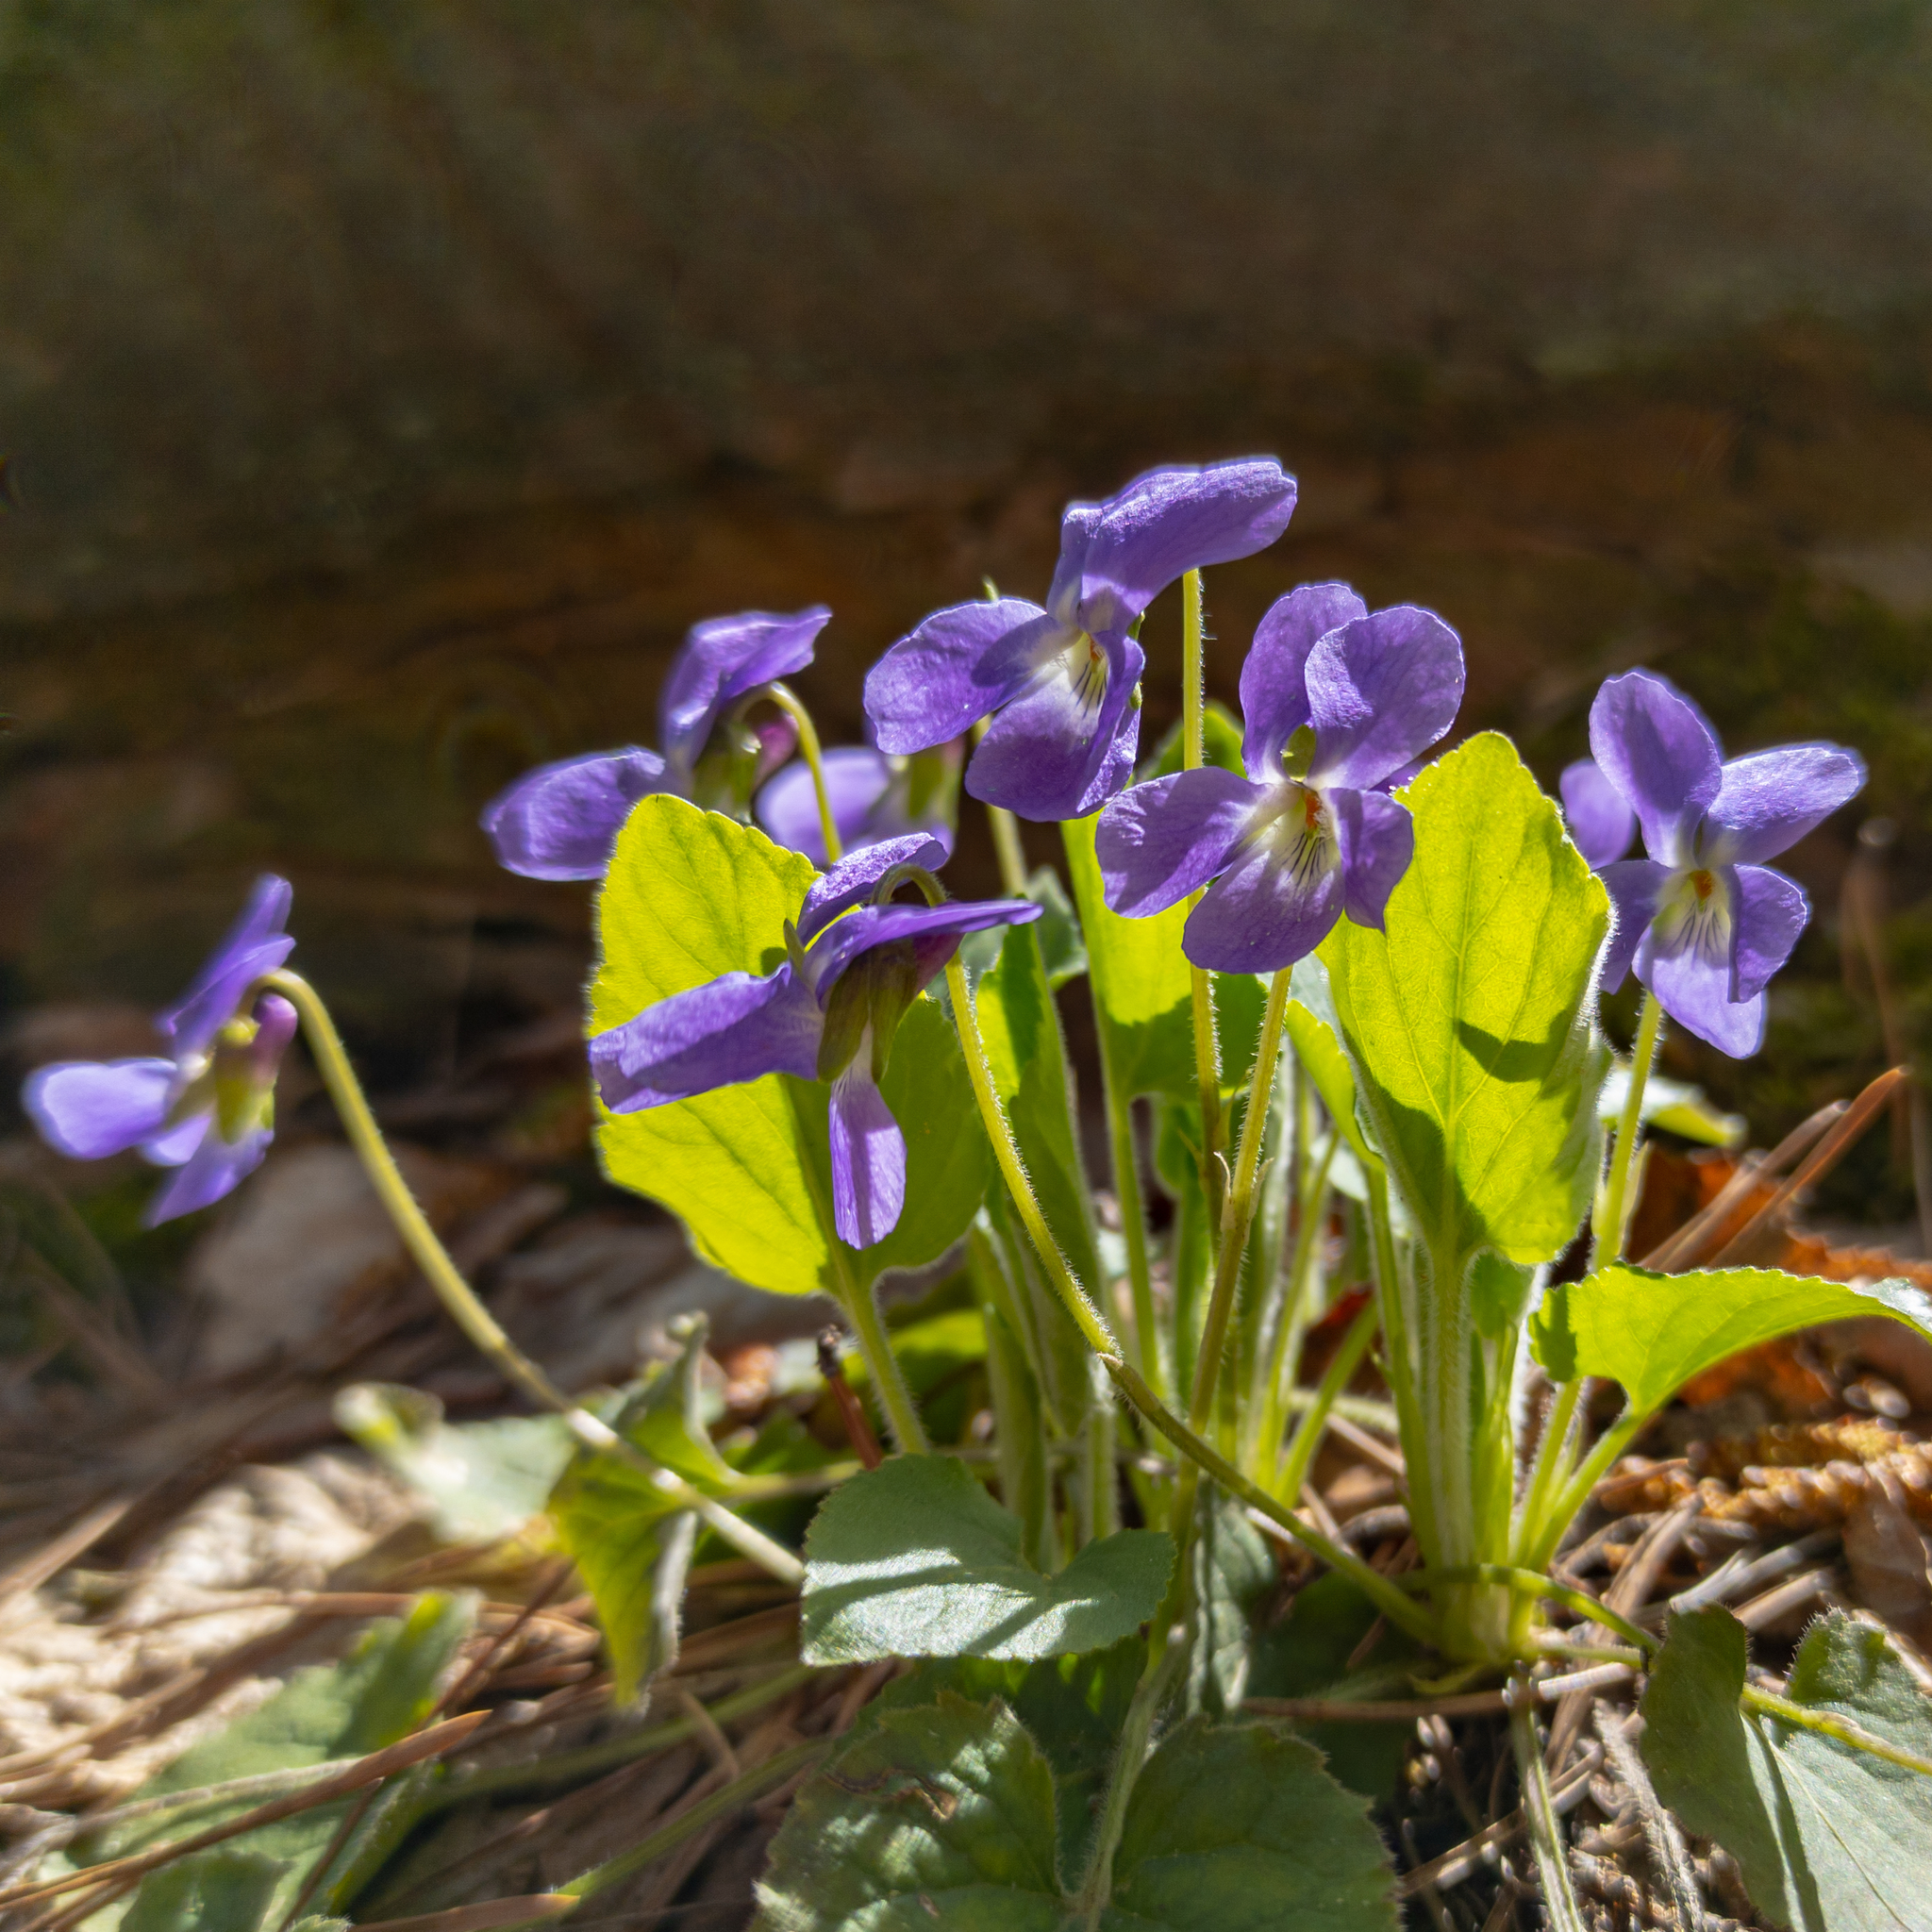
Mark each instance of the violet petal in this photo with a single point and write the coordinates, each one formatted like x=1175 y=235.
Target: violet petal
x=1257 y=916
x=722 y=658
x=1601 y=823
x=1659 y=750
x=731 y=1029
x=867 y=926
x=88 y=1110
x=1065 y=745
x=1174 y=520
x=1275 y=684
x=1381 y=690
x=856 y=778
x=868 y=1158
x=1768 y=913
x=1378 y=840
x=856 y=877
x=1696 y=993
x=216 y=1168
x=956 y=668
x=1158 y=842
x=561 y=821
x=1635 y=886
x=254 y=945
x=1768 y=801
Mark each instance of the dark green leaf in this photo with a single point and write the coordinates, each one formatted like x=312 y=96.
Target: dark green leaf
x=1468 y=1019
x=217 y=1891
x=379 y=1694
x=1830 y=1837
x=915 y=1559
x=1653 y=1332
x=1238 y=1829
x=690 y=895
x=941 y=1814
x=1308 y=1654
x=1234 y=1570
x=1061 y=944
x=482 y=1480
x=1073 y=1708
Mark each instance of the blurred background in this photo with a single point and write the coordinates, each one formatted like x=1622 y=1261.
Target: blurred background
x=384 y=389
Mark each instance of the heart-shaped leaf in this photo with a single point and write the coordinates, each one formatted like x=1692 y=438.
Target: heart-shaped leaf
x=914 y=1559
x=1652 y=1333
x=690 y=895
x=1468 y=1019
x=1830 y=1837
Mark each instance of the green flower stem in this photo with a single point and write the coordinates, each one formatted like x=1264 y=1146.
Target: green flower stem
x=1129 y=1755
x=460 y=1299
x=1399 y=1607
x=1576 y=1491
x=1272 y=1395
x=1127 y=1187
x=1398 y=1356
x=1552 y=1456
x=1545 y=1828
x=1012 y=1171
x=1234 y=1241
x=1335 y=1378
x=1829 y=1724
x=887 y=1378
x=1012 y=1375
x=1206 y=1046
x=1609 y=1228
x=788 y=701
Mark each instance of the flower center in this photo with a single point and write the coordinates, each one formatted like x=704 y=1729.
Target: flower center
x=1694 y=913
x=1296 y=829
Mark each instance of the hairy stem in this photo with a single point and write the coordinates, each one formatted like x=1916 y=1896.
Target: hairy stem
x=788 y=701
x=460 y=1299
x=1545 y=1828
x=1608 y=1226
x=1206 y=1046
x=1234 y=1242
x=1126 y=1188
x=1398 y=1608
x=1012 y=1171
x=1335 y=1378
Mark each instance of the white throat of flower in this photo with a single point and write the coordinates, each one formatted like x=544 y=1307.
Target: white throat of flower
x=1069 y=659
x=1295 y=828
x=1693 y=913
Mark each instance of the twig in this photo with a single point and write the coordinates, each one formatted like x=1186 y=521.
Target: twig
x=369 y=1770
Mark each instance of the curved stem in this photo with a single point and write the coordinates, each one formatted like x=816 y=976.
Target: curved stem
x=1552 y=1454
x=460 y=1299
x=1126 y=1188
x=1394 y=1604
x=895 y=1395
x=1545 y=1830
x=1609 y=1228
x=1532 y=1583
x=1085 y=1316
x=1335 y=1378
x=1234 y=1242
x=788 y=701
x=1206 y=1045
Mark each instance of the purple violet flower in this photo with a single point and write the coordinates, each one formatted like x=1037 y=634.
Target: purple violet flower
x=561 y=821
x=1338 y=704
x=208 y=1110
x=1703 y=923
x=872 y=797
x=857 y=961
x=1601 y=823
x=1060 y=683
